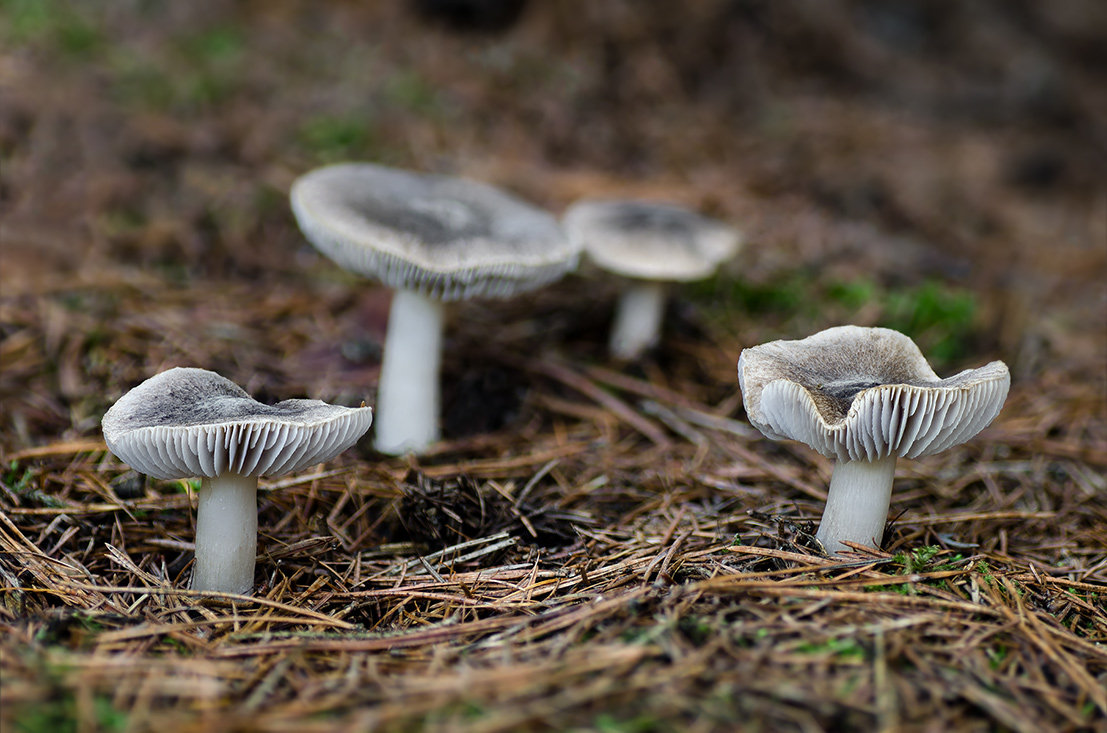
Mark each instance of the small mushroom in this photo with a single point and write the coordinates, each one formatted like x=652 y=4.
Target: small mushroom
x=433 y=239
x=651 y=244
x=187 y=422
x=865 y=397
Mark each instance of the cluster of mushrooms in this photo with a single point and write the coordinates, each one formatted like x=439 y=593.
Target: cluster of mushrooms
x=863 y=396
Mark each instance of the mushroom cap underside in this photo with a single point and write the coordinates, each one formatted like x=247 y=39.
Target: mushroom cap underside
x=650 y=240
x=192 y=422
x=855 y=393
x=449 y=238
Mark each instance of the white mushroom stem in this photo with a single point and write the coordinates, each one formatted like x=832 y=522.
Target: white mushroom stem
x=857 y=503
x=638 y=315
x=226 y=534
x=406 y=416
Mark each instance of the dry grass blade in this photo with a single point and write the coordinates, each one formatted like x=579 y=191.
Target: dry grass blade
x=593 y=546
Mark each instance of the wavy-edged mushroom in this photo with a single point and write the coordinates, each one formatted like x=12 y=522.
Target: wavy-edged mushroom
x=651 y=244
x=187 y=422
x=432 y=239
x=865 y=397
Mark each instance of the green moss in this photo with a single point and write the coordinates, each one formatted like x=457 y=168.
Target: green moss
x=212 y=63
x=696 y=629
x=917 y=560
x=848 y=686
x=78 y=39
x=786 y=296
x=26 y=20
x=642 y=634
x=940 y=318
x=921 y=560
x=640 y=723
x=155 y=88
x=141 y=82
x=446 y=717
x=191 y=74
x=214 y=46
x=996 y=653
x=52 y=24
x=935 y=316
x=205 y=89
x=408 y=90
x=61 y=715
x=329 y=139
x=73 y=629
x=268 y=200
x=846 y=647
x=35 y=495
x=903 y=589
x=17 y=478
x=853 y=293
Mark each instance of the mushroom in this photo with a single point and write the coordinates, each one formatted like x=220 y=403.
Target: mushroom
x=865 y=397
x=651 y=244
x=433 y=239
x=187 y=422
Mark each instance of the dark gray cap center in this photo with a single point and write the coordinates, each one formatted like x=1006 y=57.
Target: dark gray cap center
x=434 y=221
x=629 y=217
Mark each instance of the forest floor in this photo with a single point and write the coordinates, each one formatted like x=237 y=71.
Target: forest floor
x=594 y=545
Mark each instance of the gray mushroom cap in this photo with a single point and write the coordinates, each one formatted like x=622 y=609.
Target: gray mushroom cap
x=856 y=393
x=188 y=422
x=650 y=240
x=448 y=238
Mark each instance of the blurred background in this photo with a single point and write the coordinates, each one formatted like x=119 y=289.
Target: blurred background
x=934 y=166
x=931 y=165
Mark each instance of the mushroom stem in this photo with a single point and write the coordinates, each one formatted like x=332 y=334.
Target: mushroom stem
x=638 y=315
x=407 y=398
x=226 y=534
x=857 y=503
